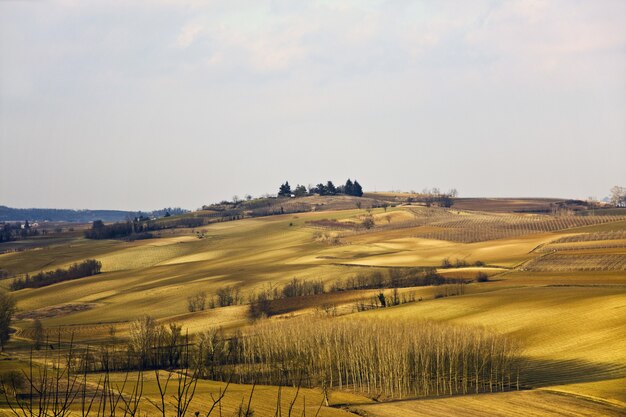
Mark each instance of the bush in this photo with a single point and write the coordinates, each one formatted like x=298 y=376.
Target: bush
x=260 y=306
x=482 y=277
x=368 y=222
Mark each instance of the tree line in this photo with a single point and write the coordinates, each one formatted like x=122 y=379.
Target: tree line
x=393 y=358
x=139 y=227
x=389 y=358
x=392 y=278
x=262 y=303
x=328 y=188
x=83 y=269
x=16 y=231
x=59 y=384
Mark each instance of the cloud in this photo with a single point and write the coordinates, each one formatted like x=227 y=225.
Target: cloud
x=425 y=84
x=188 y=34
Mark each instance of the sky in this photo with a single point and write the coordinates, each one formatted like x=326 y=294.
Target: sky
x=147 y=104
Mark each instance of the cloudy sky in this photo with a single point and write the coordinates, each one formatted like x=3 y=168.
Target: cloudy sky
x=140 y=105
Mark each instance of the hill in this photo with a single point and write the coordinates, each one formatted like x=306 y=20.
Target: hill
x=556 y=283
x=63 y=215
x=8 y=214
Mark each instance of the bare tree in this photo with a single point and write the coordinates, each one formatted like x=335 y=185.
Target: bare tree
x=618 y=195
x=38 y=334
x=7 y=310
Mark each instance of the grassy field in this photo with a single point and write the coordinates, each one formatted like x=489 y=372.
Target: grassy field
x=556 y=284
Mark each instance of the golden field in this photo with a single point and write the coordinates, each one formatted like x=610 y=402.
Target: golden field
x=556 y=283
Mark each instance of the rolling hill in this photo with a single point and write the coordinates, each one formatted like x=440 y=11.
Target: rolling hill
x=556 y=283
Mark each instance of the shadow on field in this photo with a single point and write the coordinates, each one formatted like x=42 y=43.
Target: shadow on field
x=541 y=373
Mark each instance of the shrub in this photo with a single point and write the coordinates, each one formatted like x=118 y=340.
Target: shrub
x=368 y=222
x=482 y=277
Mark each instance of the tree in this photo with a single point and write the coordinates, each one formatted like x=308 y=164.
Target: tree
x=357 y=189
x=330 y=188
x=618 y=195
x=446 y=201
x=284 y=190
x=143 y=337
x=349 y=187
x=300 y=191
x=320 y=189
x=382 y=300
x=38 y=336
x=7 y=309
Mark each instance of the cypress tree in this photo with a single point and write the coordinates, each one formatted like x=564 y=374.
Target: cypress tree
x=357 y=189
x=349 y=187
x=284 y=190
x=330 y=188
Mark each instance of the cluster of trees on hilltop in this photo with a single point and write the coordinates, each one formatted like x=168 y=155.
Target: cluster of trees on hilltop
x=86 y=268
x=349 y=188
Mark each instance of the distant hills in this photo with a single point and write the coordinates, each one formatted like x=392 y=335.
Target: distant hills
x=77 y=216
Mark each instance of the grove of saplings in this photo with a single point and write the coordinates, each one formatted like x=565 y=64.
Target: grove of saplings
x=392 y=359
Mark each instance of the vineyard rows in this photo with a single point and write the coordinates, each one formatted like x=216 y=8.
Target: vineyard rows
x=466 y=227
x=589 y=237
x=556 y=262
x=482 y=227
x=594 y=245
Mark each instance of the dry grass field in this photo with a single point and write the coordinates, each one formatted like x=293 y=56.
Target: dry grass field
x=557 y=284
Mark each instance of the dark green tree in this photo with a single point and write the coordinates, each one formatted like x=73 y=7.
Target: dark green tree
x=349 y=187
x=330 y=188
x=300 y=191
x=321 y=189
x=357 y=189
x=284 y=190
